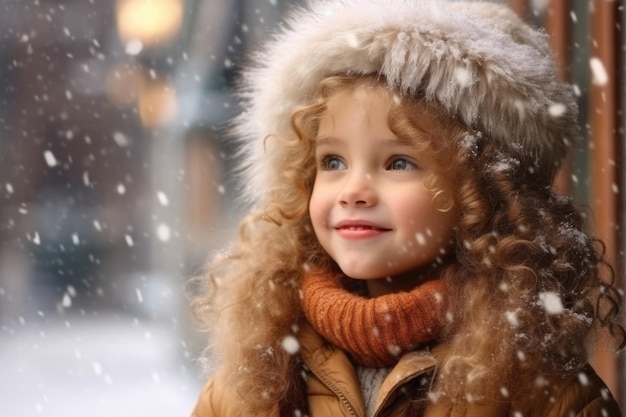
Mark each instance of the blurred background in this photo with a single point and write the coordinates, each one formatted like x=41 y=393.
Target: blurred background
x=115 y=184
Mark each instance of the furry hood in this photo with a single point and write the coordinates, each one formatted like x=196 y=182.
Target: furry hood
x=477 y=59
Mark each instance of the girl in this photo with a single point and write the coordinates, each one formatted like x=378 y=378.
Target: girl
x=407 y=255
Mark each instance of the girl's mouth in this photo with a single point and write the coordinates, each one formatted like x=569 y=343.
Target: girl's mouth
x=360 y=228
x=350 y=230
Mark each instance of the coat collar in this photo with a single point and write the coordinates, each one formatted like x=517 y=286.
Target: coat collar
x=333 y=367
x=584 y=391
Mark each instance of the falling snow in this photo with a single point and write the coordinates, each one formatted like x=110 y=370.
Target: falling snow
x=133 y=47
x=462 y=76
x=50 y=159
x=162 y=198
x=511 y=317
x=551 y=302
x=67 y=301
x=71 y=291
x=97 y=368
x=291 y=345
x=557 y=109
x=599 y=74
x=163 y=232
x=121 y=139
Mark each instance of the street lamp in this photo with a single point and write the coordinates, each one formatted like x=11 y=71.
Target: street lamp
x=148 y=22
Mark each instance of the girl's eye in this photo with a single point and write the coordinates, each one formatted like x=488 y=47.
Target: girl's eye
x=399 y=163
x=333 y=163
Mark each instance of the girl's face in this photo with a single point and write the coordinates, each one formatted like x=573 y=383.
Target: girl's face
x=370 y=208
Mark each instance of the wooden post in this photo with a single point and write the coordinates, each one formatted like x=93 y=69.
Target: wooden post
x=603 y=106
x=556 y=22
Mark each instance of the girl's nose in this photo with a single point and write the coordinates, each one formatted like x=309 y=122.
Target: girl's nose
x=358 y=191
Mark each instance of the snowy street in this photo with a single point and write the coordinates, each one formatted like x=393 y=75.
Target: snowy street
x=104 y=366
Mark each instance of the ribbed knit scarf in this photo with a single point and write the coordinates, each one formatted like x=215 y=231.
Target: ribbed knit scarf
x=374 y=331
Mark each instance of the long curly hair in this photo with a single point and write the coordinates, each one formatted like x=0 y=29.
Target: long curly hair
x=527 y=285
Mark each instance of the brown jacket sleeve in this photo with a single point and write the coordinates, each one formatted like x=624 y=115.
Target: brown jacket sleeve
x=208 y=404
x=585 y=395
x=582 y=395
x=218 y=400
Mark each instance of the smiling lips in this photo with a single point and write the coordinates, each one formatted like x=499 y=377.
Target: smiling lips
x=359 y=229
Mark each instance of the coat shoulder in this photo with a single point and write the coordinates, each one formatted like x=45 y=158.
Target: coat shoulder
x=583 y=395
x=216 y=400
x=219 y=400
x=210 y=400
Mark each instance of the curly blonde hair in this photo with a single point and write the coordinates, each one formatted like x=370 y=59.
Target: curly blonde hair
x=527 y=284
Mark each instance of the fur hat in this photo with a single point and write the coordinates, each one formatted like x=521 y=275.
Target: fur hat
x=478 y=60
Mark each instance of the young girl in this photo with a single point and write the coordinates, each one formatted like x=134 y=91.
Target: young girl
x=407 y=255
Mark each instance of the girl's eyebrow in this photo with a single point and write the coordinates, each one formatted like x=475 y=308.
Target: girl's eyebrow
x=332 y=140
x=327 y=140
x=403 y=141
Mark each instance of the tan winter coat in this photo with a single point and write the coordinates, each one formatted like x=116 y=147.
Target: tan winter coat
x=333 y=390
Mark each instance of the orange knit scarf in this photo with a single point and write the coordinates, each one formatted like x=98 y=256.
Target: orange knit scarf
x=374 y=331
